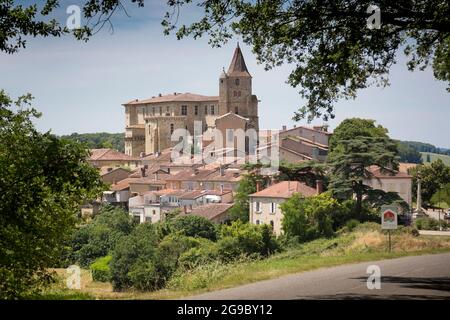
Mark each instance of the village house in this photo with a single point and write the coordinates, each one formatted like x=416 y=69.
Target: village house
x=110 y=175
x=214 y=212
x=154 y=205
x=265 y=204
x=391 y=181
x=111 y=158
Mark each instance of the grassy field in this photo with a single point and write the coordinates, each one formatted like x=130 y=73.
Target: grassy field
x=365 y=243
x=435 y=156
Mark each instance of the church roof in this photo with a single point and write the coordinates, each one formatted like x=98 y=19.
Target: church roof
x=175 y=97
x=237 y=66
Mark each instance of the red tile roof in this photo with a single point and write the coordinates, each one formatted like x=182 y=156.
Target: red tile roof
x=109 y=154
x=379 y=173
x=212 y=210
x=286 y=189
x=121 y=185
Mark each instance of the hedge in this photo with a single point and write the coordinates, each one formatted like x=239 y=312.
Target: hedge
x=100 y=269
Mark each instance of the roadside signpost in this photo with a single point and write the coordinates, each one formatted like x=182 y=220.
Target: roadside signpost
x=389 y=220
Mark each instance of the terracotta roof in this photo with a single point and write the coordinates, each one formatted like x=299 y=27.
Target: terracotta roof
x=286 y=189
x=212 y=210
x=179 y=97
x=379 y=173
x=161 y=179
x=306 y=141
x=109 y=154
x=121 y=185
x=237 y=65
x=190 y=175
x=107 y=170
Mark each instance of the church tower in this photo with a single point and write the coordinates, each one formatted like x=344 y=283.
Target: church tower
x=235 y=91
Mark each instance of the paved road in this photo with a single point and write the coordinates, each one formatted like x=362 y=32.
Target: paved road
x=422 y=277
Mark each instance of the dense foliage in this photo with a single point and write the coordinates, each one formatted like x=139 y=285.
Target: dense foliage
x=309 y=218
x=441 y=198
x=247 y=186
x=408 y=153
x=97 y=239
x=194 y=226
x=99 y=140
x=43 y=180
x=432 y=177
x=356 y=145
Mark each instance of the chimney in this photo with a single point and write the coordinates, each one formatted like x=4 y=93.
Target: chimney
x=159 y=95
x=283 y=128
x=258 y=186
x=319 y=186
x=295 y=126
x=174 y=93
x=143 y=169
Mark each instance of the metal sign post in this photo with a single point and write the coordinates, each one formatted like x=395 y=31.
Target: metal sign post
x=389 y=220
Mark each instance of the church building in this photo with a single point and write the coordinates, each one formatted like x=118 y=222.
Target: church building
x=151 y=122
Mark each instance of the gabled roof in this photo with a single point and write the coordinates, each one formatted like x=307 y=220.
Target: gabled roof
x=212 y=210
x=178 y=97
x=237 y=65
x=307 y=128
x=109 y=154
x=286 y=189
x=121 y=185
x=380 y=173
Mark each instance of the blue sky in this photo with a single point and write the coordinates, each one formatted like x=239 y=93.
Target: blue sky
x=79 y=87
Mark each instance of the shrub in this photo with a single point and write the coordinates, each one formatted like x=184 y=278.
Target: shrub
x=145 y=276
x=99 y=237
x=245 y=239
x=139 y=246
x=351 y=224
x=100 y=269
x=206 y=252
x=430 y=224
x=194 y=226
x=309 y=218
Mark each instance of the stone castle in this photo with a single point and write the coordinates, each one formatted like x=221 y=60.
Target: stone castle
x=151 y=122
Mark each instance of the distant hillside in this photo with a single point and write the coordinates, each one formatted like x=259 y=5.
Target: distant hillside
x=425 y=147
x=429 y=157
x=99 y=140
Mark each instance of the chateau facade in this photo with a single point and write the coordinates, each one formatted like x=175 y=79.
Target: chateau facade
x=151 y=122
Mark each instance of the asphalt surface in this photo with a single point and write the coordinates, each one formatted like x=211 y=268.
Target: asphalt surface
x=421 y=277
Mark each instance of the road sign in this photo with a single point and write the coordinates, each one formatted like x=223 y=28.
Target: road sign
x=389 y=217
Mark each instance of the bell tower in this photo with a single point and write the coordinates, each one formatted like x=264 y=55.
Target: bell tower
x=235 y=91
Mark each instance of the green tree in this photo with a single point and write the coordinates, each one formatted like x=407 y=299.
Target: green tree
x=441 y=198
x=131 y=254
x=333 y=52
x=97 y=238
x=247 y=186
x=355 y=127
x=432 y=177
x=408 y=153
x=306 y=171
x=43 y=181
x=194 y=226
x=309 y=218
x=351 y=160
